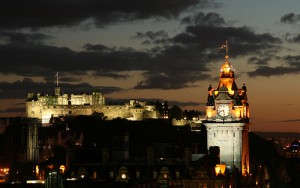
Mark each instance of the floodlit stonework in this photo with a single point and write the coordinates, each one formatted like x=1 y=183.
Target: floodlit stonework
x=44 y=107
x=227 y=120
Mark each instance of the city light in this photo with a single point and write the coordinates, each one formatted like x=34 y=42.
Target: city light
x=35 y=181
x=220 y=169
x=62 y=169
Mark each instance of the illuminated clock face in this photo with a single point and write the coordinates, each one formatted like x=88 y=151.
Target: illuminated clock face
x=223 y=110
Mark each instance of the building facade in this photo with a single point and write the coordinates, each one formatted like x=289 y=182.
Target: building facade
x=45 y=107
x=227 y=120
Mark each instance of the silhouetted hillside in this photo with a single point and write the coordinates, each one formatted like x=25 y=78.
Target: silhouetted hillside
x=278 y=135
x=266 y=161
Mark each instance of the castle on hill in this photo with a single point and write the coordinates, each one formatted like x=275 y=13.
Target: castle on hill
x=45 y=107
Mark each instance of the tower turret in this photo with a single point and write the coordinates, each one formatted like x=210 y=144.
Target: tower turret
x=227 y=119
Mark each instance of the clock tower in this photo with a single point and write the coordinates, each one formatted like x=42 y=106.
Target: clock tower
x=227 y=120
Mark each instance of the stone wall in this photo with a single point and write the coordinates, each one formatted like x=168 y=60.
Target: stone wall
x=35 y=109
x=44 y=107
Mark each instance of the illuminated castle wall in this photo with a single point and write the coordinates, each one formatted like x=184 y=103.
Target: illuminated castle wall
x=46 y=106
x=227 y=120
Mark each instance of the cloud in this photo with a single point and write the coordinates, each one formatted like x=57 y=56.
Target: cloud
x=30 y=59
x=185 y=59
x=290 y=65
x=259 y=61
x=209 y=34
x=170 y=79
x=27 y=85
x=293 y=61
x=212 y=19
x=152 y=35
x=17 y=37
x=175 y=67
x=170 y=63
x=40 y=60
x=159 y=37
x=242 y=40
x=290 y=18
x=97 y=48
x=36 y=14
x=267 y=71
x=292 y=38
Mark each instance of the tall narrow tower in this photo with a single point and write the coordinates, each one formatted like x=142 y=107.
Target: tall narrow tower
x=32 y=141
x=227 y=120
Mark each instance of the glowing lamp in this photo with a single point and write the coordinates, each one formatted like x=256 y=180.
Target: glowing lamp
x=223 y=168
x=217 y=169
x=37 y=170
x=220 y=169
x=62 y=169
x=237 y=113
x=208 y=113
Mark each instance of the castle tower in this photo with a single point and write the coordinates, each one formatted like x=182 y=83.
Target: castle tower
x=227 y=120
x=32 y=141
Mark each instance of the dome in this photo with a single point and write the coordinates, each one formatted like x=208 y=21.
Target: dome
x=227 y=67
x=227 y=71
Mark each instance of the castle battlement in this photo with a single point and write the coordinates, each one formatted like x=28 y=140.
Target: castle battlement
x=44 y=106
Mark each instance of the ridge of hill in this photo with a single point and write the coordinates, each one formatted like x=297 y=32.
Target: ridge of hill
x=278 y=135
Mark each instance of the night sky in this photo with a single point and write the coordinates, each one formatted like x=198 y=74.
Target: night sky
x=154 y=49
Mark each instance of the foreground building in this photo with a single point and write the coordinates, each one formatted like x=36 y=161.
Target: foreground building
x=45 y=107
x=227 y=120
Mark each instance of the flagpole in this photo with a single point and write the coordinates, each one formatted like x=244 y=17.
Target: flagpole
x=226 y=56
x=227 y=48
x=56 y=78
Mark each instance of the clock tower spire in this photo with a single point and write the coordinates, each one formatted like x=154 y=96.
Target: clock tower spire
x=227 y=119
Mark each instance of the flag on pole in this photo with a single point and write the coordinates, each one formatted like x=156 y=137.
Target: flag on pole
x=224 y=46
x=221 y=47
